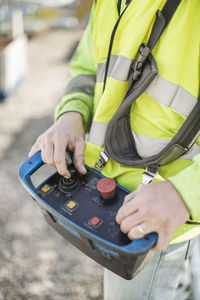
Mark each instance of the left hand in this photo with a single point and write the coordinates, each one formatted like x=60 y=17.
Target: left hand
x=155 y=207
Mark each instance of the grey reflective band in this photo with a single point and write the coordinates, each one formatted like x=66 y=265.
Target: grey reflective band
x=119 y=68
x=146 y=146
x=82 y=84
x=192 y=152
x=97 y=133
x=101 y=68
x=161 y=90
x=171 y=95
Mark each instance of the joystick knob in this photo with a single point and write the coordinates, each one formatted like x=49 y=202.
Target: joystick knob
x=106 y=187
x=69 y=185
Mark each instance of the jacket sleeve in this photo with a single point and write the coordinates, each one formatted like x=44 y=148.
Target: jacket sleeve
x=80 y=88
x=187 y=183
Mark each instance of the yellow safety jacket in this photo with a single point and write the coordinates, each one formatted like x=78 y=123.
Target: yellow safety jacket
x=99 y=81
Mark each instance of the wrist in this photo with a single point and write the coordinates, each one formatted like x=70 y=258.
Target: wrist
x=180 y=200
x=71 y=115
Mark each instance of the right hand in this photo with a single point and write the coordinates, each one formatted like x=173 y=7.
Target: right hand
x=66 y=132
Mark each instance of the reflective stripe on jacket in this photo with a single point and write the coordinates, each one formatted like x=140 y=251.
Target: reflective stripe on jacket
x=100 y=69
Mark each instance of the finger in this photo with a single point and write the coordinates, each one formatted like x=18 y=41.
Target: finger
x=130 y=196
x=43 y=154
x=127 y=209
x=164 y=237
x=49 y=153
x=79 y=156
x=34 y=149
x=129 y=222
x=140 y=230
x=60 y=159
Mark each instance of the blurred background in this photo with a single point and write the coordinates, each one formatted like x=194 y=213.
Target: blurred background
x=37 y=40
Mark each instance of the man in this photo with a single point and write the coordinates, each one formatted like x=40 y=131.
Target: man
x=100 y=70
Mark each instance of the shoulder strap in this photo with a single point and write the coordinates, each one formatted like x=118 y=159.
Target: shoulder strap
x=125 y=152
x=162 y=20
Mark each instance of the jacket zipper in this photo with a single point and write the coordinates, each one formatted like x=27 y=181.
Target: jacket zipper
x=104 y=157
x=112 y=39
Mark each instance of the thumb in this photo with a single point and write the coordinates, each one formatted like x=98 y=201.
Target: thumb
x=162 y=243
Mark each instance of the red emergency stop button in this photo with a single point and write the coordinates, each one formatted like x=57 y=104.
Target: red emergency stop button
x=106 y=187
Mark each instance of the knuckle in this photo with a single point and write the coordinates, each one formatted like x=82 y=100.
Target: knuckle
x=50 y=162
x=144 y=211
x=79 y=156
x=119 y=217
x=48 y=136
x=124 y=227
x=126 y=198
x=121 y=214
x=38 y=140
x=150 y=210
x=58 y=162
x=80 y=139
x=132 y=235
x=60 y=136
x=147 y=210
x=61 y=172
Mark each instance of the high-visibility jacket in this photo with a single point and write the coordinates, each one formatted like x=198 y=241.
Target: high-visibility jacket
x=100 y=69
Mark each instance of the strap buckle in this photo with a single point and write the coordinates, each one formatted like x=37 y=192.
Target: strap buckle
x=103 y=159
x=148 y=176
x=137 y=67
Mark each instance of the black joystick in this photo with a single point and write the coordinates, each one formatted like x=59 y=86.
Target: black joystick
x=69 y=185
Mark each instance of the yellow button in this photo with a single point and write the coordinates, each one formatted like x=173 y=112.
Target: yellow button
x=71 y=204
x=46 y=188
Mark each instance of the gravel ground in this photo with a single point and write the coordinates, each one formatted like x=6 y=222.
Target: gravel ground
x=35 y=262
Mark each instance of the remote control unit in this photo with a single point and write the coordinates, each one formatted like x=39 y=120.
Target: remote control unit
x=83 y=210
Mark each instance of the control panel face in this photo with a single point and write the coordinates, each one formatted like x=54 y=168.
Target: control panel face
x=80 y=201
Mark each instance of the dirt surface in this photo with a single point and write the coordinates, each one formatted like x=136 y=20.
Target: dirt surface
x=35 y=262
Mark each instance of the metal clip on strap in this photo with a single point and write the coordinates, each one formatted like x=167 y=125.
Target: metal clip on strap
x=103 y=159
x=148 y=176
x=137 y=68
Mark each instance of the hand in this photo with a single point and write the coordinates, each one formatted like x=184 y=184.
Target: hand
x=156 y=207
x=67 y=132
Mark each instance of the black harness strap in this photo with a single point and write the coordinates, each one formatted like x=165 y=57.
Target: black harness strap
x=162 y=20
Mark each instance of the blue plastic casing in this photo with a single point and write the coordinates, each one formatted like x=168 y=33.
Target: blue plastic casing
x=125 y=260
